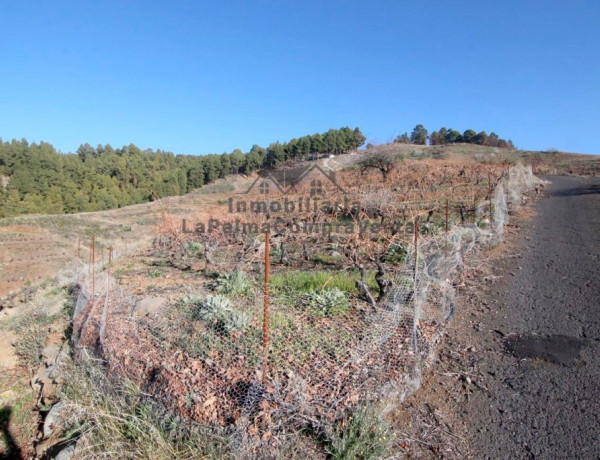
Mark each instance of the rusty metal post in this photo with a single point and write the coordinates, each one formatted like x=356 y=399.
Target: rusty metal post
x=404 y=222
x=266 y=311
x=474 y=205
x=416 y=249
x=415 y=339
x=93 y=262
x=110 y=255
x=78 y=248
x=490 y=196
x=446 y=232
x=447 y=213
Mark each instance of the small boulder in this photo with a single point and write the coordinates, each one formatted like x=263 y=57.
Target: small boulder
x=50 y=353
x=53 y=418
x=66 y=454
x=148 y=306
x=43 y=383
x=65 y=350
x=54 y=373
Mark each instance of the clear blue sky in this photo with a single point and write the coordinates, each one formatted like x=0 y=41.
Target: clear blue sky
x=198 y=77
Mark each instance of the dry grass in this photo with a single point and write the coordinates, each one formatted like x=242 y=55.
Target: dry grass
x=113 y=418
x=17 y=400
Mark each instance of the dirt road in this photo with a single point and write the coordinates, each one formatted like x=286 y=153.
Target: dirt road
x=518 y=375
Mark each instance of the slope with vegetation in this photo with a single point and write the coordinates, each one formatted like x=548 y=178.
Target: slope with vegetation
x=445 y=136
x=188 y=290
x=38 y=179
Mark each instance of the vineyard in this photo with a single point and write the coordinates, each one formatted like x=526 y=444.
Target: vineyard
x=354 y=308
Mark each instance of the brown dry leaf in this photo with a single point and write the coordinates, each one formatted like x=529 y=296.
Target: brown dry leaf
x=264 y=405
x=353 y=399
x=210 y=401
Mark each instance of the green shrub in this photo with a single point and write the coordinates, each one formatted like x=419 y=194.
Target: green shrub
x=326 y=302
x=29 y=344
x=31 y=331
x=194 y=248
x=396 y=253
x=217 y=311
x=366 y=435
x=155 y=274
x=275 y=252
x=485 y=223
x=236 y=284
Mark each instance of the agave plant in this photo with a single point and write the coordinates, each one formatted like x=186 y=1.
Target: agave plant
x=328 y=302
x=236 y=283
x=218 y=312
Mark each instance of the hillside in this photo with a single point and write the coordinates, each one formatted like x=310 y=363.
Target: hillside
x=147 y=315
x=47 y=243
x=38 y=179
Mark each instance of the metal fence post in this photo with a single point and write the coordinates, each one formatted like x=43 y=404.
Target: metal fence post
x=490 y=196
x=93 y=265
x=266 y=311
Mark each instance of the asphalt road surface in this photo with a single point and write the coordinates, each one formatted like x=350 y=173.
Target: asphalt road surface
x=540 y=387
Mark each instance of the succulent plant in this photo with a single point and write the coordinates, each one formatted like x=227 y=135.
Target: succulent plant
x=326 y=302
x=218 y=312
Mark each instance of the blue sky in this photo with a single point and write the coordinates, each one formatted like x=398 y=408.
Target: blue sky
x=197 y=77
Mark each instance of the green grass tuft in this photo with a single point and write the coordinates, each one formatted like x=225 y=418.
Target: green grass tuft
x=297 y=282
x=365 y=435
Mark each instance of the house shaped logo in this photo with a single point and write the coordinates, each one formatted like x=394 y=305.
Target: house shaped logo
x=286 y=181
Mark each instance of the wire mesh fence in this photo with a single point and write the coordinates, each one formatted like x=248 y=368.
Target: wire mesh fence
x=205 y=356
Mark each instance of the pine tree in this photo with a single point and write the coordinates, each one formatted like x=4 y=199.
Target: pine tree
x=12 y=205
x=419 y=135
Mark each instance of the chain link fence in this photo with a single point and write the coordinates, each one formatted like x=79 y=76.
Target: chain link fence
x=204 y=356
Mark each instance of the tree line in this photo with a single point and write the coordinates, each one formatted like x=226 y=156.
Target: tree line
x=443 y=136
x=36 y=179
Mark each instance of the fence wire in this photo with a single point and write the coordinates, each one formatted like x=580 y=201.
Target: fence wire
x=320 y=366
